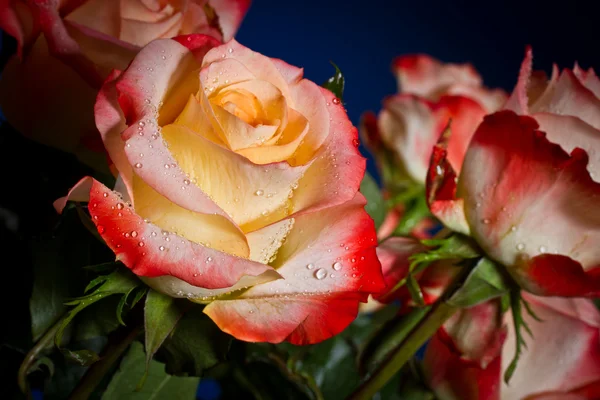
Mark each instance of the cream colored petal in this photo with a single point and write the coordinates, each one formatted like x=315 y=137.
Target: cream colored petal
x=207 y=229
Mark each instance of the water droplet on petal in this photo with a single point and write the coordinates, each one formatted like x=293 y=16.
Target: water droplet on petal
x=134 y=233
x=310 y=266
x=105 y=194
x=337 y=265
x=161 y=248
x=336 y=100
x=259 y=192
x=141 y=244
x=138 y=165
x=120 y=206
x=320 y=273
x=543 y=249
x=101 y=229
x=520 y=247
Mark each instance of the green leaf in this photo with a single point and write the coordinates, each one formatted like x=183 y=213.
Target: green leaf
x=515 y=304
x=485 y=282
x=119 y=282
x=160 y=317
x=336 y=83
x=195 y=344
x=159 y=384
x=332 y=365
x=375 y=204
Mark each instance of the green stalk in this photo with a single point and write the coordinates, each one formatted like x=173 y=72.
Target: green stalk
x=118 y=343
x=436 y=317
x=46 y=341
x=423 y=330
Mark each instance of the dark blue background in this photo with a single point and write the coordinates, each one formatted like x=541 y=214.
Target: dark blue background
x=363 y=37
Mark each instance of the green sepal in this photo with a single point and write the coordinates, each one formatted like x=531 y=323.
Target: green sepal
x=336 y=83
x=515 y=304
x=485 y=282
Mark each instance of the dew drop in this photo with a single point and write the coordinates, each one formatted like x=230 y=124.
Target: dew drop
x=520 y=247
x=141 y=244
x=134 y=233
x=153 y=234
x=337 y=265
x=513 y=228
x=186 y=181
x=105 y=194
x=259 y=192
x=138 y=165
x=486 y=221
x=101 y=229
x=208 y=259
x=336 y=100
x=543 y=249
x=310 y=266
x=320 y=273
x=120 y=206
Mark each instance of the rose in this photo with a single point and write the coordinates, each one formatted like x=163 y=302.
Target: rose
x=48 y=91
x=465 y=359
x=430 y=95
x=243 y=180
x=530 y=204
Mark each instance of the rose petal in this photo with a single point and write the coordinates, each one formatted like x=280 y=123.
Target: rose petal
x=453 y=378
x=265 y=242
x=329 y=264
x=491 y=100
x=477 y=332
x=260 y=66
x=588 y=78
x=570 y=133
x=564 y=353
x=210 y=230
x=141 y=33
x=336 y=172
x=557 y=275
x=440 y=189
x=519 y=99
x=532 y=197
x=146 y=252
x=569 y=97
x=296 y=130
x=230 y=14
x=406 y=124
x=41 y=96
x=100 y=15
x=246 y=191
x=424 y=76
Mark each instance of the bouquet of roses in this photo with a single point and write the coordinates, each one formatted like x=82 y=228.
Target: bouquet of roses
x=213 y=232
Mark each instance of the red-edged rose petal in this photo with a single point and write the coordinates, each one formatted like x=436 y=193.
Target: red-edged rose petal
x=143 y=247
x=329 y=265
x=440 y=188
